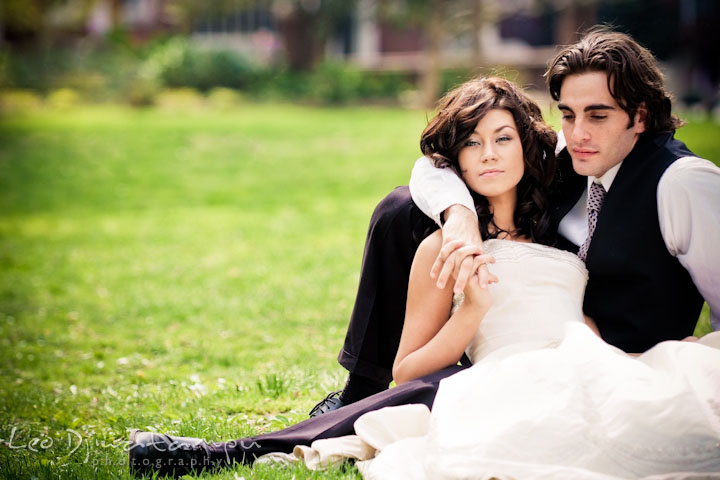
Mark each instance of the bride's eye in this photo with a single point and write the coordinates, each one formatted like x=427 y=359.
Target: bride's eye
x=504 y=138
x=471 y=143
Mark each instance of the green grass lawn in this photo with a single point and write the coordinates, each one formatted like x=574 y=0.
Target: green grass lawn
x=191 y=273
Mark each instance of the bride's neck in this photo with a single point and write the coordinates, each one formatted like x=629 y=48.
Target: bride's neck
x=503 y=211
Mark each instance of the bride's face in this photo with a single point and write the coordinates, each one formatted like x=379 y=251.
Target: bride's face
x=491 y=160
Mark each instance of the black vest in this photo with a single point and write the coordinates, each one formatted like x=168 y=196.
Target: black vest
x=637 y=293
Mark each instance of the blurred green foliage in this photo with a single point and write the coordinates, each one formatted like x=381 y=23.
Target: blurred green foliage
x=176 y=64
x=116 y=70
x=19 y=101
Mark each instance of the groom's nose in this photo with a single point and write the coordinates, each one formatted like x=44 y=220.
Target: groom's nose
x=579 y=133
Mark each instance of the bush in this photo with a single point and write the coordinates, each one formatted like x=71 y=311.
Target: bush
x=281 y=84
x=221 y=98
x=331 y=83
x=96 y=71
x=180 y=100
x=117 y=69
x=63 y=98
x=176 y=64
x=335 y=83
x=141 y=93
x=221 y=69
x=385 y=85
x=19 y=101
x=164 y=58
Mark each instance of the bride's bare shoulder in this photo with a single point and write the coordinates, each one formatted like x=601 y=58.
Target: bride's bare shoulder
x=431 y=245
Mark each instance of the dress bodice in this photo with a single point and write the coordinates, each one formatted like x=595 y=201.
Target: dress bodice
x=539 y=289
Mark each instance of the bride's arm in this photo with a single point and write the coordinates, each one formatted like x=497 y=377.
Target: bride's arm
x=430 y=340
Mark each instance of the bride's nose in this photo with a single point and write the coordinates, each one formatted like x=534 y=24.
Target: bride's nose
x=488 y=154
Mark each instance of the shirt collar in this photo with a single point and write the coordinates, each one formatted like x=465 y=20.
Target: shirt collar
x=606 y=179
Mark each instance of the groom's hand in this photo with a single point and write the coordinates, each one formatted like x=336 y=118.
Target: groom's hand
x=461 y=243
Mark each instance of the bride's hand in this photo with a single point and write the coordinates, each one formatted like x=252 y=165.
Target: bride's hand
x=475 y=295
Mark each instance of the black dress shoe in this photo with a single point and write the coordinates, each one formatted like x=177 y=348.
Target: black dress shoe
x=328 y=404
x=174 y=456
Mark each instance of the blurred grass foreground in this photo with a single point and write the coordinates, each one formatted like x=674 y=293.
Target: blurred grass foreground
x=190 y=272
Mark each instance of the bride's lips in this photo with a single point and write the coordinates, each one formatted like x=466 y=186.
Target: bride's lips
x=491 y=173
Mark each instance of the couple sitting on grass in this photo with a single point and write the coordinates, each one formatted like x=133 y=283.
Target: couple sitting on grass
x=551 y=392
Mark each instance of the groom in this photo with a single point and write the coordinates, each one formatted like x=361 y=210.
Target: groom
x=649 y=205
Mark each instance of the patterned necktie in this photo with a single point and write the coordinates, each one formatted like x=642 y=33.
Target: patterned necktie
x=594 y=204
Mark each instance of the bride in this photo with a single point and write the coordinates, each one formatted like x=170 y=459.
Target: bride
x=545 y=397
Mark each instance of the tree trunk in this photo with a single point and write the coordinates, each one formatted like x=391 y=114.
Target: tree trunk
x=572 y=21
x=477 y=23
x=430 y=80
x=302 y=44
x=2 y=29
x=115 y=13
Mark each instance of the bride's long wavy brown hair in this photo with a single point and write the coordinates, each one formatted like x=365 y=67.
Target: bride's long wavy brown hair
x=459 y=113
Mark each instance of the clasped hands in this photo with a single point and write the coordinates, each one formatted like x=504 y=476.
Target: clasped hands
x=462 y=256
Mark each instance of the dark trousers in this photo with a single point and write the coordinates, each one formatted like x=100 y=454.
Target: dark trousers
x=332 y=424
x=397 y=227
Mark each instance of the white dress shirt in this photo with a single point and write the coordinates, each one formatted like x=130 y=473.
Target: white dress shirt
x=688 y=198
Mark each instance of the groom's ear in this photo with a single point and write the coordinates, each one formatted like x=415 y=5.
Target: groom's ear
x=640 y=120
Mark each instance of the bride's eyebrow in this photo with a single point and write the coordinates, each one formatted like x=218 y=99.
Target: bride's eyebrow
x=496 y=130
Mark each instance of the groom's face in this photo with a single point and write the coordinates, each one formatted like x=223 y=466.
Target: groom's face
x=596 y=129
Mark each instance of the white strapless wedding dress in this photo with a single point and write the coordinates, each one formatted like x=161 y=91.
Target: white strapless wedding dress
x=546 y=398
x=540 y=290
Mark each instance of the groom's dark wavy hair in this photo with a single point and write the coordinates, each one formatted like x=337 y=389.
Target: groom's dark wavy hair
x=633 y=76
x=460 y=110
